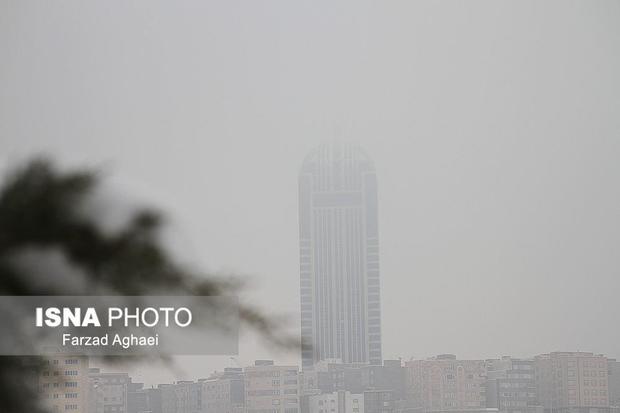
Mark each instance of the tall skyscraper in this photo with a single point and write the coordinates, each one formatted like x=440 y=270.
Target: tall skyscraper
x=339 y=257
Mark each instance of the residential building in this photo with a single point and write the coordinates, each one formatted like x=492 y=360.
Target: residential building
x=63 y=383
x=511 y=385
x=333 y=376
x=614 y=382
x=181 y=397
x=572 y=381
x=141 y=400
x=379 y=401
x=336 y=402
x=271 y=389
x=391 y=376
x=444 y=383
x=224 y=392
x=108 y=391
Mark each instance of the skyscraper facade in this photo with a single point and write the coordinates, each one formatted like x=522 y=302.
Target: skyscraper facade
x=339 y=257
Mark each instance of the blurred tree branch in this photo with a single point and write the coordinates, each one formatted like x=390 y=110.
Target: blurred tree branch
x=44 y=209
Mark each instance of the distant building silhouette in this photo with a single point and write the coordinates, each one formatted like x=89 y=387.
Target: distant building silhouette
x=511 y=385
x=271 y=388
x=339 y=257
x=107 y=392
x=445 y=383
x=571 y=382
x=63 y=383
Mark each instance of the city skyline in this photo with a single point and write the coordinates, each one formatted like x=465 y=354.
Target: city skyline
x=493 y=127
x=555 y=382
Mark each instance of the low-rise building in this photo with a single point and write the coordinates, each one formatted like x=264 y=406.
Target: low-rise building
x=379 y=401
x=143 y=400
x=614 y=382
x=224 y=392
x=572 y=381
x=390 y=376
x=63 y=383
x=511 y=385
x=181 y=397
x=444 y=383
x=108 y=391
x=336 y=402
x=333 y=376
x=271 y=389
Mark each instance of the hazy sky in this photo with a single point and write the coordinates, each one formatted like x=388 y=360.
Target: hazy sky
x=494 y=126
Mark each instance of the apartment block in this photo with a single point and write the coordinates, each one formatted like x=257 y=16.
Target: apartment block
x=181 y=397
x=333 y=376
x=336 y=402
x=379 y=401
x=107 y=392
x=572 y=381
x=224 y=392
x=444 y=383
x=614 y=382
x=271 y=389
x=63 y=383
x=511 y=385
x=143 y=400
x=390 y=376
